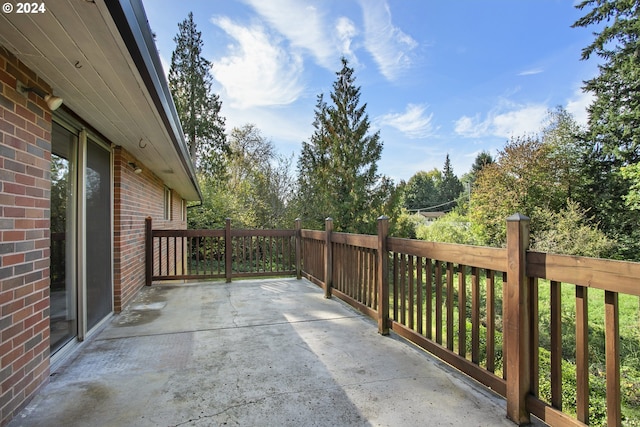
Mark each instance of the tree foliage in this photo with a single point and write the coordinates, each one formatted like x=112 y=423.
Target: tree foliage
x=612 y=141
x=614 y=116
x=433 y=190
x=337 y=168
x=258 y=188
x=198 y=107
x=451 y=187
x=422 y=190
x=522 y=179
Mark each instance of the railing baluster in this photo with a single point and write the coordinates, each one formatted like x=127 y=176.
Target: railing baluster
x=491 y=322
x=403 y=289
x=475 y=315
x=420 y=304
x=504 y=342
x=411 y=292
x=582 y=354
x=556 y=344
x=612 y=352
x=438 y=302
x=462 y=311
x=429 y=298
x=450 y=306
x=396 y=273
x=534 y=337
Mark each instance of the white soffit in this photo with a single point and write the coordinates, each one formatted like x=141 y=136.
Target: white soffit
x=76 y=47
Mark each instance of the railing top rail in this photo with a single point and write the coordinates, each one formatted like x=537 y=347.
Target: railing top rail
x=312 y=234
x=262 y=233
x=475 y=256
x=361 y=240
x=609 y=275
x=188 y=233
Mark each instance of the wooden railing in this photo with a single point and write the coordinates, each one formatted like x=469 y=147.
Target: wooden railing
x=226 y=253
x=476 y=308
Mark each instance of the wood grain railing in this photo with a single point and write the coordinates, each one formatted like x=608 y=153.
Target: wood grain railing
x=212 y=254
x=476 y=308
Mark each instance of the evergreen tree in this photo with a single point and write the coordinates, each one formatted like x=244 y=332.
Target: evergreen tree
x=337 y=168
x=198 y=107
x=483 y=159
x=612 y=141
x=451 y=186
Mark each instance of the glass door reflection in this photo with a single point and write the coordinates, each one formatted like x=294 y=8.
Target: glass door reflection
x=63 y=314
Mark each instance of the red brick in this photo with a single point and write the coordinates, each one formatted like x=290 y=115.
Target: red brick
x=20 y=339
x=20 y=315
x=14 y=119
x=36 y=130
x=25 y=113
x=11 y=356
x=23 y=291
x=33 y=320
x=41 y=305
x=5 y=297
x=13 y=379
x=42 y=327
x=24 y=223
x=11 y=308
x=13 y=235
x=15 y=142
x=12 y=188
x=25 y=179
x=12 y=212
x=12 y=259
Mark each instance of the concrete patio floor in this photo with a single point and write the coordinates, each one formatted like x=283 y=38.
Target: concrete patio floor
x=253 y=353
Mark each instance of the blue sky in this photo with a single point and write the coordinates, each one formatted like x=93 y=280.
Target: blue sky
x=439 y=77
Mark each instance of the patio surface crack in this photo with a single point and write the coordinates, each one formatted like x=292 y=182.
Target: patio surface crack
x=284 y=393
x=234 y=310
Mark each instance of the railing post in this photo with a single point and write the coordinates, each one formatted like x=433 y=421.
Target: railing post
x=148 y=243
x=228 y=248
x=328 y=258
x=383 y=276
x=517 y=319
x=298 y=249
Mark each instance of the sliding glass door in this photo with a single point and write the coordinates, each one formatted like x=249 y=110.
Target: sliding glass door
x=99 y=288
x=81 y=287
x=63 y=312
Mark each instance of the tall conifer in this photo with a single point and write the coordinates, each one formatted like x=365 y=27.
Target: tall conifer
x=338 y=172
x=198 y=107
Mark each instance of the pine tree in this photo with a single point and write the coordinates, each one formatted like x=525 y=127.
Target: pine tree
x=451 y=187
x=198 y=107
x=338 y=173
x=612 y=143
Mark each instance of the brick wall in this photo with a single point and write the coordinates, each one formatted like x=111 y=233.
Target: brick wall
x=136 y=196
x=25 y=155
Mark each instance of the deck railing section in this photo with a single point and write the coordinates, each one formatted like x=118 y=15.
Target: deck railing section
x=589 y=281
x=226 y=253
x=477 y=308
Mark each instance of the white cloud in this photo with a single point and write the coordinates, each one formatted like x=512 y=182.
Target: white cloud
x=305 y=27
x=390 y=47
x=257 y=71
x=531 y=72
x=414 y=123
x=506 y=120
x=577 y=106
x=346 y=31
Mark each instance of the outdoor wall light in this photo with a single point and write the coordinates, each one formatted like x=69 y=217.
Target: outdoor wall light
x=53 y=102
x=136 y=169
